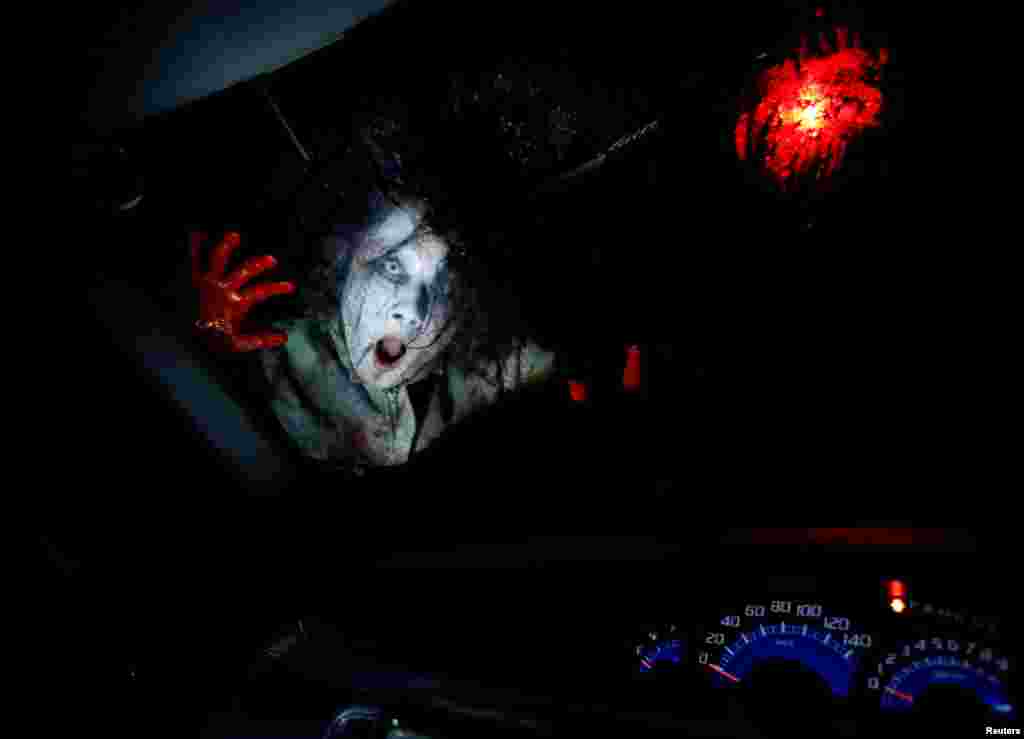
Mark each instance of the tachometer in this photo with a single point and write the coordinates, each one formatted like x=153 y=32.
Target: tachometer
x=939 y=676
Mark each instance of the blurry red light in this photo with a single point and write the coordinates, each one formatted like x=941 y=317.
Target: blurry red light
x=577 y=391
x=897 y=589
x=810 y=109
x=631 y=375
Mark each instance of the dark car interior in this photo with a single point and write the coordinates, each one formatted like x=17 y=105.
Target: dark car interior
x=254 y=632
x=219 y=585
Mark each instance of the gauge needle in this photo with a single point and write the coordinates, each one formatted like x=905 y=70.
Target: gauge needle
x=902 y=696
x=723 y=673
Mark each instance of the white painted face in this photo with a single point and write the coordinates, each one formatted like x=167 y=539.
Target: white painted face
x=394 y=298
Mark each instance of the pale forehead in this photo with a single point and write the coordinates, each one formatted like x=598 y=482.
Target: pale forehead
x=398 y=229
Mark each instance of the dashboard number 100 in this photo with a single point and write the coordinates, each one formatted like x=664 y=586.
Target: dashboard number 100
x=819 y=637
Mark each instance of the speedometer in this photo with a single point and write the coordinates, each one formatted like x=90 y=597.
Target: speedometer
x=835 y=657
x=777 y=641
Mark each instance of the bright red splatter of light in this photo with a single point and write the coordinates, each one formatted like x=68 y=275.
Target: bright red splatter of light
x=809 y=111
x=577 y=391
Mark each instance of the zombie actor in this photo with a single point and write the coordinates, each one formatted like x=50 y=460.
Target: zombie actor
x=376 y=381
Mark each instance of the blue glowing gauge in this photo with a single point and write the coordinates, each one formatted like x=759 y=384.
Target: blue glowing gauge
x=807 y=636
x=661 y=647
x=817 y=649
x=940 y=668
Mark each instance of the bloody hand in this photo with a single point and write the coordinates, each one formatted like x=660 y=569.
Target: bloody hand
x=808 y=113
x=223 y=304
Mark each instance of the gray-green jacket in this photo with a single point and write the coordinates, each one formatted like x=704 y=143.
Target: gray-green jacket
x=333 y=417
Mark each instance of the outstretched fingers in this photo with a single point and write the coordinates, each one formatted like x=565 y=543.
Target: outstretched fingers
x=260 y=293
x=252 y=268
x=222 y=254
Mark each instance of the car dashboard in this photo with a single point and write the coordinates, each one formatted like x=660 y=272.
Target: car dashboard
x=646 y=647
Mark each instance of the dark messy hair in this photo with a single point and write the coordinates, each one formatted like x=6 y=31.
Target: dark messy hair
x=472 y=143
x=472 y=193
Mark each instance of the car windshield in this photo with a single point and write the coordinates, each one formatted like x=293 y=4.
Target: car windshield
x=515 y=147
x=397 y=302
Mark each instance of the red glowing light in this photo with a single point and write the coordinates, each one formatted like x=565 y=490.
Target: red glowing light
x=631 y=375
x=809 y=110
x=577 y=391
x=865 y=536
x=897 y=596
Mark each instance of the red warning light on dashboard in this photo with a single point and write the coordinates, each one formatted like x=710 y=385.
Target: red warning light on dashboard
x=897 y=596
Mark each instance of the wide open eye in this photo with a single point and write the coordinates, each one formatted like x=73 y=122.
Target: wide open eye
x=391 y=268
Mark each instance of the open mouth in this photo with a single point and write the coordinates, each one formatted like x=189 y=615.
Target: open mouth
x=388 y=352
